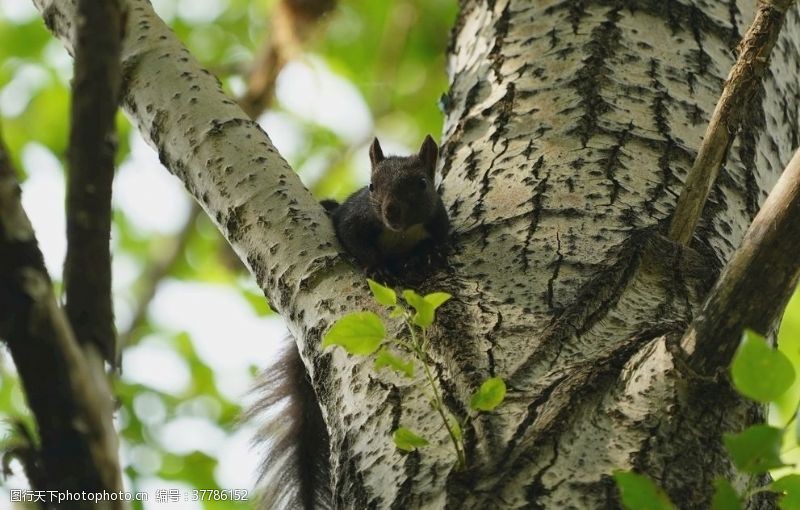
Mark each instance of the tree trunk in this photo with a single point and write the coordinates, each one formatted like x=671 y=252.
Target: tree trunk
x=570 y=128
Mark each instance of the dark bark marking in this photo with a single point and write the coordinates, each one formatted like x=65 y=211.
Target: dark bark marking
x=589 y=81
x=501 y=31
x=411 y=469
x=661 y=119
x=553 y=37
x=699 y=59
x=556 y=268
x=576 y=12
x=350 y=490
x=733 y=13
x=611 y=161
x=749 y=134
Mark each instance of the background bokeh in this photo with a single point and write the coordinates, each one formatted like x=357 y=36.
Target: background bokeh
x=194 y=341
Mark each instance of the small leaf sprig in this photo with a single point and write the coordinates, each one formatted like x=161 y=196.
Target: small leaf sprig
x=364 y=334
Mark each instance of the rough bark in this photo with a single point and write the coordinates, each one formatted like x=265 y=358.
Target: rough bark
x=67 y=393
x=95 y=96
x=570 y=128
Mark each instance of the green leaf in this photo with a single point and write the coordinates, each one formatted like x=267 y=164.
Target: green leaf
x=638 y=492
x=425 y=307
x=755 y=450
x=358 y=333
x=424 y=315
x=725 y=497
x=489 y=395
x=760 y=372
x=789 y=487
x=437 y=299
x=386 y=358
x=408 y=441
x=383 y=295
x=397 y=312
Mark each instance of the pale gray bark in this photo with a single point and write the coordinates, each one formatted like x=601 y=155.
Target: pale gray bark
x=570 y=127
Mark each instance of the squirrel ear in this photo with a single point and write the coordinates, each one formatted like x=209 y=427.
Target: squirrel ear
x=375 y=153
x=428 y=152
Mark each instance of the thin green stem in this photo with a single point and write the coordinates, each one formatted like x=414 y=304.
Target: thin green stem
x=438 y=402
x=791 y=420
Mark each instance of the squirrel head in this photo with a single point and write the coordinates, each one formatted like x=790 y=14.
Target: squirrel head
x=402 y=189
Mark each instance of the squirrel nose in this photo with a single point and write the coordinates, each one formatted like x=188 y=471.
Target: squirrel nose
x=394 y=213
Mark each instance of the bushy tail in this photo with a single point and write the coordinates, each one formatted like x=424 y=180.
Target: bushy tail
x=292 y=435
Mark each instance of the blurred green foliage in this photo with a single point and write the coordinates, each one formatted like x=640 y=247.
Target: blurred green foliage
x=391 y=53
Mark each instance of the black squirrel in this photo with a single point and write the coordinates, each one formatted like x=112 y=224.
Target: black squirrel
x=393 y=221
x=398 y=217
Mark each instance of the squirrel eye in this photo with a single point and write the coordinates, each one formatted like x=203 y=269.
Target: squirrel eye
x=423 y=183
x=370 y=186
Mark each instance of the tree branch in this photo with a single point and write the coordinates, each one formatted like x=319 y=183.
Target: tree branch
x=228 y=164
x=95 y=96
x=68 y=395
x=740 y=87
x=293 y=23
x=757 y=282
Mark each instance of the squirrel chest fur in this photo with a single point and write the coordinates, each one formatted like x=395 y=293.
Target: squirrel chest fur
x=398 y=214
x=399 y=243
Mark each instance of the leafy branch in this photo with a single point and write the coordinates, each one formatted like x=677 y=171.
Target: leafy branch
x=364 y=334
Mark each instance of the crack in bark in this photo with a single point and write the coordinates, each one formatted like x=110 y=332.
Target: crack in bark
x=536 y=488
x=556 y=268
x=537 y=195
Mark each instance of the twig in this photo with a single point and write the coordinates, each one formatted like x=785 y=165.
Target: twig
x=68 y=394
x=95 y=96
x=293 y=22
x=757 y=282
x=742 y=84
